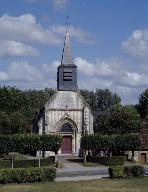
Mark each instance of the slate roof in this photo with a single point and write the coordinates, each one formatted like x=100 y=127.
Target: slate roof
x=67 y=53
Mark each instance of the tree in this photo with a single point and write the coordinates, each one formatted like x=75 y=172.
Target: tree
x=109 y=144
x=5 y=123
x=118 y=120
x=142 y=106
x=101 y=99
x=19 y=106
x=12 y=123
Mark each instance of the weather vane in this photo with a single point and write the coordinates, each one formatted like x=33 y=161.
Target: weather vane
x=67 y=23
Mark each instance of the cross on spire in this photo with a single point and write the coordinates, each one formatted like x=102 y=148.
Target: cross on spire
x=66 y=107
x=67 y=23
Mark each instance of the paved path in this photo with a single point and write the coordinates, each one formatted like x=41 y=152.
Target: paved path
x=73 y=171
x=77 y=172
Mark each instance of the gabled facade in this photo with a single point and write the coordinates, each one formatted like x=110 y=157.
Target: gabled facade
x=66 y=113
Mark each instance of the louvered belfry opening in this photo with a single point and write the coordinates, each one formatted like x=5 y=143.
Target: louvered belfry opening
x=67 y=71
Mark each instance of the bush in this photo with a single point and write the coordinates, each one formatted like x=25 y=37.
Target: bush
x=24 y=143
x=112 y=143
x=116 y=172
x=128 y=171
x=27 y=175
x=137 y=171
x=108 y=161
x=25 y=163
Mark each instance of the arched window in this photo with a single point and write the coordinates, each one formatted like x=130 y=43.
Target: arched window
x=66 y=128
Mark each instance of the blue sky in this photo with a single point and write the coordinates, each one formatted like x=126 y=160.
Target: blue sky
x=109 y=43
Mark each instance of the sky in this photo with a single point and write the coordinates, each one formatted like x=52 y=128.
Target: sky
x=109 y=44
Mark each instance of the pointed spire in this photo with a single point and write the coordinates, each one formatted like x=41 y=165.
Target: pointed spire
x=67 y=53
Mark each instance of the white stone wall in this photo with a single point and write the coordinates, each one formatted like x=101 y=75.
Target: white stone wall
x=70 y=105
x=55 y=110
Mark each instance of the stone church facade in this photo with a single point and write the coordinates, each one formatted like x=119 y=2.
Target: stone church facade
x=66 y=113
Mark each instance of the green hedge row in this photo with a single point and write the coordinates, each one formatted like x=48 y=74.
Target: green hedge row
x=121 y=172
x=135 y=170
x=108 y=161
x=25 y=142
x=25 y=163
x=111 y=143
x=116 y=172
x=27 y=175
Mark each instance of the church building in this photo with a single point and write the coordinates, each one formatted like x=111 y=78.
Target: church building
x=66 y=113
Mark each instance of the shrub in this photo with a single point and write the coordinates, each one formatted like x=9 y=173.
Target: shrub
x=25 y=163
x=27 y=175
x=108 y=161
x=24 y=143
x=110 y=143
x=116 y=172
x=128 y=171
x=137 y=171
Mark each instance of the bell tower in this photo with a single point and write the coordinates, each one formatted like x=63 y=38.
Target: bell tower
x=67 y=71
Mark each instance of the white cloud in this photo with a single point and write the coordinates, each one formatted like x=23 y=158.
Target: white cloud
x=21 y=72
x=137 y=44
x=26 y=29
x=13 y=48
x=3 y=76
x=117 y=78
x=19 y=35
x=81 y=35
x=108 y=67
x=60 y=4
x=27 y=76
x=85 y=67
x=103 y=68
x=135 y=79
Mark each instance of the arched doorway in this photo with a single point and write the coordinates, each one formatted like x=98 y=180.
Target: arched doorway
x=66 y=131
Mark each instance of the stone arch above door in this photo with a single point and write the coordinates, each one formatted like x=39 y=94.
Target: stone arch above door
x=68 y=129
x=66 y=122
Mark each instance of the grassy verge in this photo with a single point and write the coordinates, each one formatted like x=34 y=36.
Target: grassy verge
x=101 y=185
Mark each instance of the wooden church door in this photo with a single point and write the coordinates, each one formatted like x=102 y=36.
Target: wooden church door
x=66 y=147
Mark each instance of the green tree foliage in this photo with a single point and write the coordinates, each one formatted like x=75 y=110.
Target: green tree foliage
x=142 y=106
x=12 y=123
x=115 y=144
x=118 y=120
x=17 y=108
x=101 y=99
x=24 y=143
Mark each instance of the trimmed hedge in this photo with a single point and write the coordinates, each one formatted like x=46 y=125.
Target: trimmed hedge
x=108 y=161
x=27 y=163
x=135 y=171
x=24 y=143
x=27 y=175
x=111 y=143
x=128 y=171
x=116 y=172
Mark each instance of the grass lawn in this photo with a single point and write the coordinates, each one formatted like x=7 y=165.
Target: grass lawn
x=101 y=185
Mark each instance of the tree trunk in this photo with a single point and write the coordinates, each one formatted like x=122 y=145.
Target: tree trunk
x=84 y=156
x=56 y=159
